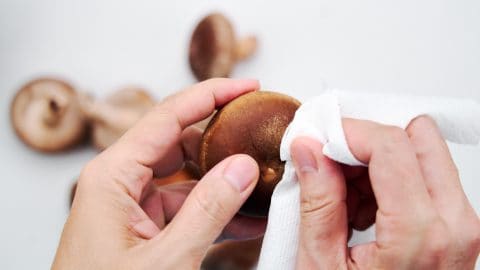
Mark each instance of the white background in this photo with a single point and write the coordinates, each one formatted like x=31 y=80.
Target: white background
x=429 y=47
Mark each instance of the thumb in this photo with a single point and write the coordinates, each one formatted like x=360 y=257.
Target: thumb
x=323 y=224
x=212 y=204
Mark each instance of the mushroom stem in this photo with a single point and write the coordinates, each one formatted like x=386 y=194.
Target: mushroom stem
x=268 y=174
x=245 y=47
x=109 y=115
x=54 y=111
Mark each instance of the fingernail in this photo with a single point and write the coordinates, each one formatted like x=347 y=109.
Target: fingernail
x=240 y=172
x=304 y=158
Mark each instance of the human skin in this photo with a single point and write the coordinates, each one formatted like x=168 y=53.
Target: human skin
x=121 y=220
x=423 y=219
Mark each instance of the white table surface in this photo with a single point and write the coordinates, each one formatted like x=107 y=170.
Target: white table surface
x=429 y=47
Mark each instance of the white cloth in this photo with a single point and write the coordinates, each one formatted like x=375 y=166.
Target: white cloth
x=320 y=118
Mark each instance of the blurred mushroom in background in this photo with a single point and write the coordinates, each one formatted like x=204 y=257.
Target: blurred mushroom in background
x=46 y=115
x=214 y=48
x=111 y=118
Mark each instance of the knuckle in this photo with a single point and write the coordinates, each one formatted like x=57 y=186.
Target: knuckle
x=319 y=208
x=395 y=135
x=165 y=102
x=167 y=119
x=213 y=81
x=453 y=169
x=90 y=175
x=473 y=238
x=475 y=241
x=89 y=170
x=392 y=139
x=424 y=122
x=438 y=241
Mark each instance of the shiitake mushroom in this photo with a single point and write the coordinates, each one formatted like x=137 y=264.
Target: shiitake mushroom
x=46 y=116
x=215 y=49
x=251 y=124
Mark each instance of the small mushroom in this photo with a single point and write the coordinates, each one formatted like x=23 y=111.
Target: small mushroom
x=46 y=116
x=251 y=124
x=214 y=49
x=116 y=114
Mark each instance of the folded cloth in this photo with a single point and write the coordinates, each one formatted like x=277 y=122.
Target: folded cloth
x=320 y=118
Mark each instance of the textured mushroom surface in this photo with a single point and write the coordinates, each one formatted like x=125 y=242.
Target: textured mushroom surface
x=252 y=124
x=46 y=116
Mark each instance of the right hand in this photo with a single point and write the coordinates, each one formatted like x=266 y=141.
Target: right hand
x=423 y=221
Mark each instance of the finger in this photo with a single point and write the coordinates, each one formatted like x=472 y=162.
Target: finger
x=163 y=203
x=202 y=125
x=437 y=166
x=199 y=101
x=443 y=183
x=188 y=152
x=323 y=225
x=211 y=205
x=191 y=139
x=154 y=140
x=404 y=204
x=395 y=174
x=362 y=256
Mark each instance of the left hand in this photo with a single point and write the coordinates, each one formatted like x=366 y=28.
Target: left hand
x=120 y=220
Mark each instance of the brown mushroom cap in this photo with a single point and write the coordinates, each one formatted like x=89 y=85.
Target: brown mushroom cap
x=114 y=116
x=214 y=49
x=252 y=124
x=46 y=116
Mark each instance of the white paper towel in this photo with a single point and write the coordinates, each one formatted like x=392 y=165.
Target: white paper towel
x=320 y=118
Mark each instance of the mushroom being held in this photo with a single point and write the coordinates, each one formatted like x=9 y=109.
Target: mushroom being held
x=251 y=124
x=214 y=49
x=46 y=116
x=114 y=116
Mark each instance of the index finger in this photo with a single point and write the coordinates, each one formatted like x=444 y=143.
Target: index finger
x=395 y=174
x=158 y=133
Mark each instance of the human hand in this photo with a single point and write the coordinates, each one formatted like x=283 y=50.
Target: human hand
x=121 y=220
x=423 y=221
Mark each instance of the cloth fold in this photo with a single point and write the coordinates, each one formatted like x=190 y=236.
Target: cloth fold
x=321 y=118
